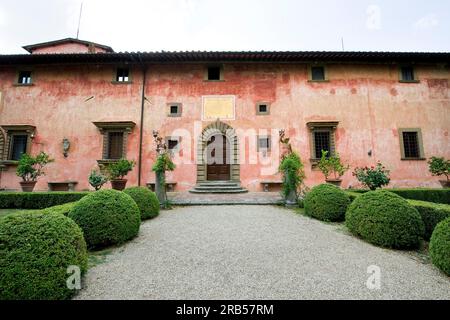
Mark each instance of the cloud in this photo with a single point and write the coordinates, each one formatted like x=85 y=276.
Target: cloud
x=427 y=22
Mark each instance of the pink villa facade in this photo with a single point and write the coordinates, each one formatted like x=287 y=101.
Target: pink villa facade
x=367 y=107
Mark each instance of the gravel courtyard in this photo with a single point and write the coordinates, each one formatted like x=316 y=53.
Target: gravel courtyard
x=255 y=252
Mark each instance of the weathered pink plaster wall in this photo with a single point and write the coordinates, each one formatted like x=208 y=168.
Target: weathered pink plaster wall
x=67 y=48
x=367 y=100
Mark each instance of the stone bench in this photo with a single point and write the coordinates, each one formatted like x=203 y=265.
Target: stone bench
x=267 y=184
x=170 y=186
x=62 y=186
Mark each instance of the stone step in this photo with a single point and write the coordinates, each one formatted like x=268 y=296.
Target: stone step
x=232 y=187
x=212 y=185
x=221 y=191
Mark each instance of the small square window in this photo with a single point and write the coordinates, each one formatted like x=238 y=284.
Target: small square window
x=123 y=75
x=24 y=77
x=407 y=74
x=318 y=73
x=262 y=108
x=263 y=143
x=174 y=109
x=214 y=73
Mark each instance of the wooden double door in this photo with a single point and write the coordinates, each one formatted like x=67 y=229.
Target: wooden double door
x=218 y=158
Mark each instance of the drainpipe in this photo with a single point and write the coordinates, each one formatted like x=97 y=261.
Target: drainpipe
x=141 y=131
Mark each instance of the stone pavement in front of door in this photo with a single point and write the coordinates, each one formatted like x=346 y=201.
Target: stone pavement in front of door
x=256 y=198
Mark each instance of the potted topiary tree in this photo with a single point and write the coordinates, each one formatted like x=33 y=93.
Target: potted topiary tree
x=440 y=167
x=30 y=168
x=332 y=165
x=97 y=179
x=117 y=171
x=373 y=177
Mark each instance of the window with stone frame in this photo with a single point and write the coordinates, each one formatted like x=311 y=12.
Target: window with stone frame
x=115 y=145
x=174 y=109
x=411 y=144
x=322 y=137
x=262 y=108
x=115 y=137
x=17 y=141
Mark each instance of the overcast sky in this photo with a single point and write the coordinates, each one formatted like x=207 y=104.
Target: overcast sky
x=154 y=25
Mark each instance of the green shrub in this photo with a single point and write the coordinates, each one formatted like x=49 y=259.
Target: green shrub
x=107 y=217
x=326 y=202
x=63 y=209
x=291 y=168
x=35 y=251
x=373 y=177
x=30 y=168
x=37 y=200
x=119 y=169
x=385 y=219
x=146 y=200
x=423 y=194
x=440 y=246
x=331 y=164
x=439 y=167
x=431 y=213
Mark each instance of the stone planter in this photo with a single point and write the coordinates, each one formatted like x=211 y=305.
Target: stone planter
x=291 y=199
x=119 y=184
x=336 y=182
x=445 y=183
x=159 y=188
x=27 y=186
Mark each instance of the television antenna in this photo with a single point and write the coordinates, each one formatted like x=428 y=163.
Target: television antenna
x=79 y=20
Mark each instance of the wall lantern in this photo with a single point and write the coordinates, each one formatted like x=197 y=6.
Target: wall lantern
x=66 y=146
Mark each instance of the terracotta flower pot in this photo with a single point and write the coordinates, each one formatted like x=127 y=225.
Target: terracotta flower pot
x=27 y=186
x=119 y=184
x=336 y=182
x=445 y=183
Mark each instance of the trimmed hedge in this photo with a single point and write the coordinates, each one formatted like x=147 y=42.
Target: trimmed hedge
x=440 y=246
x=352 y=195
x=37 y=200
x=35 y=251
x=431 y=213
x=146 y=200
x=107 y=217
x=63 y=209
x=385 y=219
x=423 y=194
x=326 y=202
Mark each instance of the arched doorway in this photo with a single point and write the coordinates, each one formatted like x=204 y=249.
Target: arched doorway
x=218 y=164
x=217 y=153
